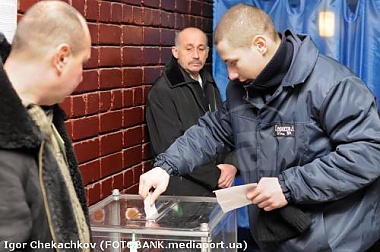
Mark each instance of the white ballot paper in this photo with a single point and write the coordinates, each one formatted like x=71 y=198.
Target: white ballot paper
x=150 y=210
x=233 y=197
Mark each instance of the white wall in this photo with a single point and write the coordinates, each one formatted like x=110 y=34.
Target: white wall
x=8 y=18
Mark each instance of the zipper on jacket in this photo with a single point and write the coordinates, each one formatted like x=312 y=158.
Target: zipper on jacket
x=246 y=93
x=43 y=191
x=196 y=97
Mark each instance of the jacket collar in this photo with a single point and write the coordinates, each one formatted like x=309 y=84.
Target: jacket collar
x=177 y=76
x=17 y=130
x=303 y=65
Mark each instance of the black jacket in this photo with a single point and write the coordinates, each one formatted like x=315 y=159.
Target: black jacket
x=175 y=103
x=32 y=187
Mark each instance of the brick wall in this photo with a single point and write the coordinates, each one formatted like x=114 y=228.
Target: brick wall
x=131 y=42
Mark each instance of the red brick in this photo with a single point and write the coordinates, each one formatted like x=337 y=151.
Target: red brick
x=90 y=81
x=151 y=55
x=195 y=8
x=132 y=35
x=137 y=96
x=147 y=152
x=127 y=14
x=134 y=189
x=132 y=136
x=104 y=12
x=78 y=106
x=167 y=37
x=128 y=178
x=109 y=56
x=148 y=17
x=137 y=171
x=111 y=164
x=111 y=121
x=117 y=99
x=166 y=54
x=104 y=101
x=156 y=18
x=118 y=181
x=87 y=150
x=132 y=116
x=132 y=56
x=109 y=34
x=111 y=143
x=179 y=21
x=93 y=193
x=94 y=33
x=147 y=165
x=137 y=15
x=151 y=74
x=145 y=134
x=151 y=36
x=85 y=127
x=106 y=188
x=116 y=13
x=182 y=6
x=90 y=171
x=145 y=93
x=92 y=10
x=92 y=103
x=168 y=5
x=132 y=156
x=186 y=20
x=128 y=97
x=110 y=78
x=66 y=106
x=196 y=22
x=132 y=77
x=167 y=19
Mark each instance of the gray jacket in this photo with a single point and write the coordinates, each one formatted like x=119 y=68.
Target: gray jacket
x=319 y=133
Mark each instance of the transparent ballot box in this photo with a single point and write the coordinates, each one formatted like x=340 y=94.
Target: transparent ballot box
x=118 y=223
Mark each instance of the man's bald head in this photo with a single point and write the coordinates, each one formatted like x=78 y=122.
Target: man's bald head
x=193 y=31
x=47 y=24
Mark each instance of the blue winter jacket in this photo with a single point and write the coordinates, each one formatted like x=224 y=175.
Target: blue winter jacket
x=319 y=133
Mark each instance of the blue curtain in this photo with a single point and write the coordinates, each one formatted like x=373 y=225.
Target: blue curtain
x=355 y=41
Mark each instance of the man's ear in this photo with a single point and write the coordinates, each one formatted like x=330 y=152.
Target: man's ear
x=60 y=57
x=175 y=52
x=260 y=43
x=207 y=51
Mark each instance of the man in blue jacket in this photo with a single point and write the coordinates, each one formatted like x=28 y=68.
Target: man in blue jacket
x=303 y=126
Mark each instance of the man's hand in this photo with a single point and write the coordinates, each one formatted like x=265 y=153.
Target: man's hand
x=268 y=194
x=227 y=175
x=156 y=178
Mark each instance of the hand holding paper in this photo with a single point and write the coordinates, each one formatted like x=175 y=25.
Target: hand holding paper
x=150 y=210
x=234 y=197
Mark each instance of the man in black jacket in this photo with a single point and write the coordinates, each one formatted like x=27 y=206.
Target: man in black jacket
x=180 y=96
x=42 y=200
